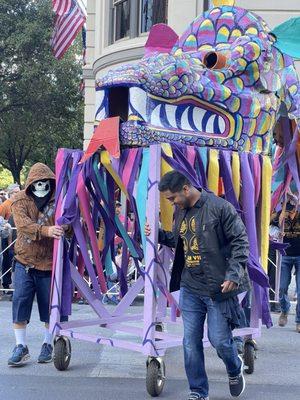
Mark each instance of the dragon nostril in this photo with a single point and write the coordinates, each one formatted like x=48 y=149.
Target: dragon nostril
x=214 y=60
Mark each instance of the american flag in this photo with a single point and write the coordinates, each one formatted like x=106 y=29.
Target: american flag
x=70 y=17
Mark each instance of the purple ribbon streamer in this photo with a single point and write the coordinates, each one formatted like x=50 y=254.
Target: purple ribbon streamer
x=281 y=247
x=201 y=173
x=70 y=212
x=256 y=272
x=182 y=166
x=67 y=287
x=226 y=174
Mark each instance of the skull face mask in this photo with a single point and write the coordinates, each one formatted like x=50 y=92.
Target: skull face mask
x=41 y=188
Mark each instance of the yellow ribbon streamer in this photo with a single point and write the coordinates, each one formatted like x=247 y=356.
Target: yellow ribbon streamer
x=105 y=160
x=265 y=210
x=213 y=171
x=236 y=174
x=166 y=209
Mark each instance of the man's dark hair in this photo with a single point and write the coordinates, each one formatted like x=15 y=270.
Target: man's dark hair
x=173 y=181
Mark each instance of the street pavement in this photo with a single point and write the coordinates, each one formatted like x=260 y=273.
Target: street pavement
x=100 y=372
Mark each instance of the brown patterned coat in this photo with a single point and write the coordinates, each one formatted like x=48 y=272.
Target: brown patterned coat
x=33 y=246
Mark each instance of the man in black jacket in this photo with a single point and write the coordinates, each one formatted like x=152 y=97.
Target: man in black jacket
x=211 y=253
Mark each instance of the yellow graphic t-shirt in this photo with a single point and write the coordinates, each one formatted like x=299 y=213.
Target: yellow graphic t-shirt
x=193 y=275
x=190 y=243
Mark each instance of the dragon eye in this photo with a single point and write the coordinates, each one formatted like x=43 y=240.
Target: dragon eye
x=214 y=60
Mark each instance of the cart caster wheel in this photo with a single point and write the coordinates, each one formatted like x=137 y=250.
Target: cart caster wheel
x=254 y=344
x=159 y=327
x=156 y=376
x=62 y=353
x=249 y=357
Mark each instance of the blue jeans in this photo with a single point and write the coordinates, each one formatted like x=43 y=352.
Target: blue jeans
x=245 y=316
x=194 y=309
x=27 y=285
x=287 y=264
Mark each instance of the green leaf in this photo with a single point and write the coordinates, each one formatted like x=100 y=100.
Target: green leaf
x=41 y=107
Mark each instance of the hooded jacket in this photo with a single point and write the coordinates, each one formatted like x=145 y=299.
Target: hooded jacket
x=33 y=246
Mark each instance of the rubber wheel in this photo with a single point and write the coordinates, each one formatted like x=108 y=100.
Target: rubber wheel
x=249 y=357
x=155 y=378
x=159 y=328
x=62 y=353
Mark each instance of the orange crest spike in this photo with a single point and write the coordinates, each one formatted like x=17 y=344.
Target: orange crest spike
x=220 y=3
x=106 y=135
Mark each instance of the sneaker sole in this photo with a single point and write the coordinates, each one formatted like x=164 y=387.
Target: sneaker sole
x=44 y=361
x=242 y=371
x=244 y=385
x=20 y=363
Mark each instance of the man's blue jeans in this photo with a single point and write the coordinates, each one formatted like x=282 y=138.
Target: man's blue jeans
x=287 y=264
x=194 y=309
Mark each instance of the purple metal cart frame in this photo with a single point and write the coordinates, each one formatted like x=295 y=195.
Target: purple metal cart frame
x=154 y=280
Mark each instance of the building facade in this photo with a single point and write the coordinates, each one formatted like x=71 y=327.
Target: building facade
x=117 y=31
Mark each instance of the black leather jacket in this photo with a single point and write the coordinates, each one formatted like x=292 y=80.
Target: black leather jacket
x=223 y=245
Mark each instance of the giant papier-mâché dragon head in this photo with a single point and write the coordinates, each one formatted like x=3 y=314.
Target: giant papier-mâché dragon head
x=224 y=83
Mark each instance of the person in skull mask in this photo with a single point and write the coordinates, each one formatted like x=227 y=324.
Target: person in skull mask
x=33 y=213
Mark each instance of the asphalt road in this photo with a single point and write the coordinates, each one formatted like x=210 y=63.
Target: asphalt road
x=98 y=372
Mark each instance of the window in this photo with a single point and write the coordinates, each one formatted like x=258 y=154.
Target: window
x=129 y=18
x=153 y=12
x=121 y=18
x=207 y=5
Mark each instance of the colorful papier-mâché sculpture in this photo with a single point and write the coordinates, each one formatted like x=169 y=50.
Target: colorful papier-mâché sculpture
x=223 y=83
x=214 y=98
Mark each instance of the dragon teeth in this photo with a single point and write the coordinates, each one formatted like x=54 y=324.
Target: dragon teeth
x=155 y=116
x=168 y=116
x=99 y=98
x=100 y=105
x=171 y=115
x=138 y=102
x=222 y=125
x=101 y=115
x=210 y=124
x=165 y=115
x=185 y=125
x=198 y=115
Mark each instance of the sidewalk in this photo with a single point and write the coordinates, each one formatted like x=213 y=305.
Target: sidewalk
x=100 y=372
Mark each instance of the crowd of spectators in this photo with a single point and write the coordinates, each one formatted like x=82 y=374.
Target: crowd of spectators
x=7 y=238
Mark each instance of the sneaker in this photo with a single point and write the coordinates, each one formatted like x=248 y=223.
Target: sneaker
x=19 y=356
x=275 y=308
x=46 y=353
x=298 y=328
x=282 y=321
x=196 y=396
x=237 y=383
